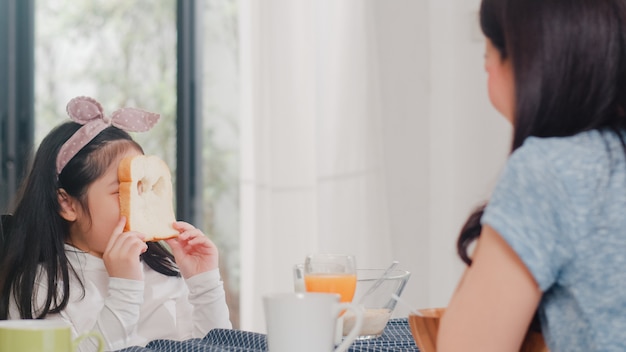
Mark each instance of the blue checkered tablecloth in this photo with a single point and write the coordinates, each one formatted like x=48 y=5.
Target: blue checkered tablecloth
x=397 y=337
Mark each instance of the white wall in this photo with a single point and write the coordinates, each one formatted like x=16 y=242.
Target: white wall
x=444 y=143
x=420 y=82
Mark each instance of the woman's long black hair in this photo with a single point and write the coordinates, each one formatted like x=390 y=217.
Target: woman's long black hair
x=569 y=65
x=37 y=235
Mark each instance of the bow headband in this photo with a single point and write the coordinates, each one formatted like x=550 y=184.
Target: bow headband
x=89 y=113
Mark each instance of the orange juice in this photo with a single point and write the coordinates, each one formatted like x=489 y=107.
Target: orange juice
x=344 y=285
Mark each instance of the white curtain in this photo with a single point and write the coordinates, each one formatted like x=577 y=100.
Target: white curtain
x=366 y=130
x=312 y=155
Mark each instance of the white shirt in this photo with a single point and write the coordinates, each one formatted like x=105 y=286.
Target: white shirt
x=129 y=312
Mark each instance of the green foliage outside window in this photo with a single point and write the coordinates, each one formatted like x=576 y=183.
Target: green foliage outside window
x=123 y=53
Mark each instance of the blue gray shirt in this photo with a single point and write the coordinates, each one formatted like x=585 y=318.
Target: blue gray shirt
x=561 y=205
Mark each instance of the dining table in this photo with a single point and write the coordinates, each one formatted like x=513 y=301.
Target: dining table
x=396 y=337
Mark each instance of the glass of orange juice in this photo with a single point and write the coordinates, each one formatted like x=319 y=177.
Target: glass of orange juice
x=331 y=273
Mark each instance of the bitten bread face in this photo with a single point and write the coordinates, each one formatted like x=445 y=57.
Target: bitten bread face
x=146 y=198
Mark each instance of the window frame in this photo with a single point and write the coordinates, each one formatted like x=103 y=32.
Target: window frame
x=17 y=100
x=17 y=70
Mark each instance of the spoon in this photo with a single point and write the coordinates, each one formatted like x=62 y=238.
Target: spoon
x=406 y=305
x=380 y=280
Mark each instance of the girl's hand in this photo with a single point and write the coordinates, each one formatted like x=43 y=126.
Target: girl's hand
x=194 y=252
x=121 y=257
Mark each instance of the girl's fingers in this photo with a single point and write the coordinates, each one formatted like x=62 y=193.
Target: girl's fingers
x=122 y=244
x=126 y=243
x=172 y=242
x=191 y=232
x=200 y=242
x=183 y=226
x=117 y=231
x=175 y=246
x=191 y=235
x=196 y=241
x=121 y=257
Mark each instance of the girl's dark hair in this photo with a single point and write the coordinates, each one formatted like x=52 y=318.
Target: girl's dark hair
x=34 y=245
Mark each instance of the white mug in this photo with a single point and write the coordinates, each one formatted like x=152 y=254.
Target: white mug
x=306 y=322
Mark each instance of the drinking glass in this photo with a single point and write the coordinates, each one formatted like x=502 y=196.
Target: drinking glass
x=331 y=273
x=298 y=278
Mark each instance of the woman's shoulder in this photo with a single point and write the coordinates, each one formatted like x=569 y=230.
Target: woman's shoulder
x=582 y=141
x=587 y=149
x=580 y=164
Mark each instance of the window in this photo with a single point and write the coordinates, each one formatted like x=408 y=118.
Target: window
x=124 y=53
x=220 y=152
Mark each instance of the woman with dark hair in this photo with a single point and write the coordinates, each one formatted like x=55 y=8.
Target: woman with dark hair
x=552 y=237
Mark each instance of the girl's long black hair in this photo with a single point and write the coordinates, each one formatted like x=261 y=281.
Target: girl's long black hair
x=34 y=245
x=569 y=65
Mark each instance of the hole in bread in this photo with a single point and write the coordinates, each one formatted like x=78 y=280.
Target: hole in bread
x=159 y=186
x=139 y=187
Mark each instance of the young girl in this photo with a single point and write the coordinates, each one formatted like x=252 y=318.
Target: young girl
x=67 y=256
x=553 y=234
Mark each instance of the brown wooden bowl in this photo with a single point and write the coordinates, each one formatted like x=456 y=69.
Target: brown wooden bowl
x=425 y=328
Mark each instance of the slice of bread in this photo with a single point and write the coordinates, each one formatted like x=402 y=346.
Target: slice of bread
x=146 y=198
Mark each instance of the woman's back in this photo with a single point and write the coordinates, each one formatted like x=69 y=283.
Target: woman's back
x=560 y=205
x=551 y=238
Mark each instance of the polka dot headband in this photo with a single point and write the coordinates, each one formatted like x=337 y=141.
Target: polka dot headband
x=89 y=113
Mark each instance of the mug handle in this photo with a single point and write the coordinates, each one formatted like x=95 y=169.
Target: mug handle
x=94 y=334
x=358 y=315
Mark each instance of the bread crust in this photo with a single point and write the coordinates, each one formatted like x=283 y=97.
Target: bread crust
x=147 y=206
